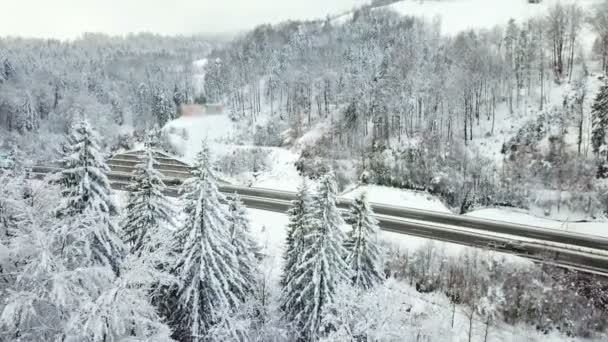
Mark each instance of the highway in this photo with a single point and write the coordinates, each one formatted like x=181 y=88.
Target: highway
x=577 y=251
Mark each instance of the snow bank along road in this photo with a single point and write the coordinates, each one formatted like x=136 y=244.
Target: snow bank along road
x=577 y=251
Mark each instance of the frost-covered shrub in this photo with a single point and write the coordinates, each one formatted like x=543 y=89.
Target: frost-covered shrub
x=378 y=167
x=462 y=181
x=269 y=134
x=125 y=141
x=527 y=137
x=312 y=162
x=243 y=159
x=550 y=299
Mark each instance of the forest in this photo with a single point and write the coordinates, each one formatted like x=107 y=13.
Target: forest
x=515 y=116
x=121 y=85
x=78 y=266
x=409 y=107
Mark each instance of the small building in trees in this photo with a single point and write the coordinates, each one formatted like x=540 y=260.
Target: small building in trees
x=196 y=110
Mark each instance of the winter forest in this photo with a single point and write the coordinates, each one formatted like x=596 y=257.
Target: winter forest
x=391 y=103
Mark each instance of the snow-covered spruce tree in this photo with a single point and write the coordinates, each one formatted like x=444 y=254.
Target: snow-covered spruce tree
x=62 y=293
x=85 y=187
x=83 y=180
x=321 y=268
x=300 y=220
x=12 y=206
x=162 y=108
x=363 y=251
x=148 y=209
x=245 y=246
x=599 y=115
x=209 y=282
x=14 y=217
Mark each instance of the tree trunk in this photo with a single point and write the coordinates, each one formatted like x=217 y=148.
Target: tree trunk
x=471 y=324
x=485 y=335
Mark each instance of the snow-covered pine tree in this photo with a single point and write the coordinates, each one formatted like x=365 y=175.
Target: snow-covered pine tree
x=83 y=180
x=599 y=115
x=85 y=187
x=28 y=118
x=363 y=251
x=300 y=220
x=245 y=246
x=62 y=293
x=148 y=209
x=162 y=108
x=13 y=208
x=120 y=313
x=321 y=268
x=209 y=282
x=15 y=162
x=14 y=217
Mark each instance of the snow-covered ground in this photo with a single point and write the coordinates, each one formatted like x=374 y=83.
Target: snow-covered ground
x=213 y=128
x=599 y=228
x=187 y=133
x=398 y=197
x=282 y=174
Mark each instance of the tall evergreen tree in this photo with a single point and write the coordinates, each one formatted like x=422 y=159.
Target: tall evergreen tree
x=162 y=108
x=14 y=217
x=362 y=246
x=244 y=244
x=62 y=293
x=599 y=113
x=147 y=208
x=300 y=219
x=85 y=188
x=321 y=268
x=207 y=269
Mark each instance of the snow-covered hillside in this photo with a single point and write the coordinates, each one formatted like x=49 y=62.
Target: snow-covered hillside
x=274 y=167
x=460 y=15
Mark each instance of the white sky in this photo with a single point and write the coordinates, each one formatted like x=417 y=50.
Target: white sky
x=69 y=18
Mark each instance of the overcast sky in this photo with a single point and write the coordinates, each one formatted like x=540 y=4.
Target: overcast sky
x=69 y=18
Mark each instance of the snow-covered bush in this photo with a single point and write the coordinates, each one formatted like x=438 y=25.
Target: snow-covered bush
x=243 y=160
x=490 y=288
x=269 y=134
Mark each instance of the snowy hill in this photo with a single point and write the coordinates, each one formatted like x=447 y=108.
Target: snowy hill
x=239 y=161
x=461 y=15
